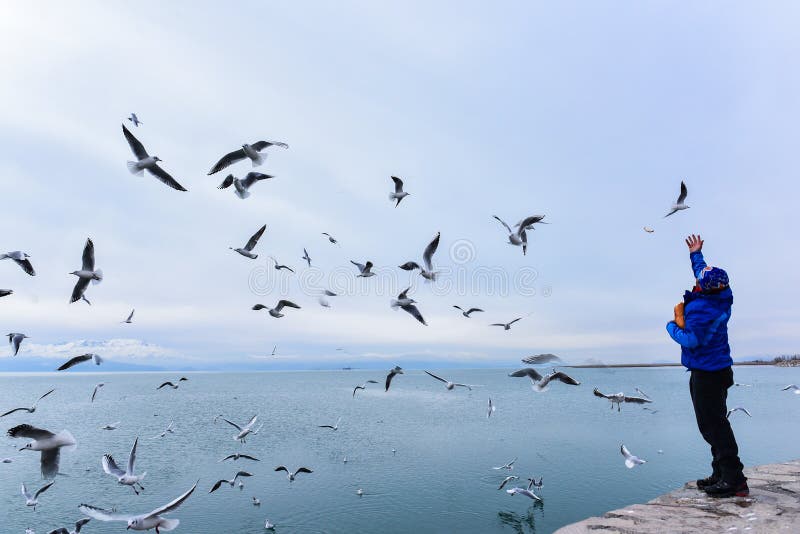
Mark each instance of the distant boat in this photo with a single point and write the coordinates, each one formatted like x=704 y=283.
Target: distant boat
x=347 y=368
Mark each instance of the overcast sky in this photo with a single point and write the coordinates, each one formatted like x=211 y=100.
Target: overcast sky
x=588 y=112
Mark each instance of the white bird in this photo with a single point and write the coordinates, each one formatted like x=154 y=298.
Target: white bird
x=32 y=409
x=532 y=483
x=396 y=371
x=244 y=430
x=794 y=388
x=247 y=250
x=526 y=492
x=291 y=475
x=619 y=398
x=506 y=481
x=427 y=271
x=359 y=492
x=129 y=320
x=21 y=259
x=80 y=359
x=169 y=430
x=322 y=299
x=33 y=500
x=144 y=161
x=87 y=273
x=679 y=205
x=332 y=427
x=144 y=521
x=447 y=384
x=242 y=186
x=648 y=230
x=135 y=120
x=248 y=151
x=507 y=326
x=509 y=465
x=171 y=385
x=519 y=237
x=631 y=461
x=230 y=482
x=408 y=305
x=364 y=269
x=279 y=266
x=96 y=389
x=306 y=257
x=15 y=340
x=236 y=456
x=468 y=312
x=562 y=377
x=111 y=426
x=330 y=238
x=256 y=502
x=268 y=525
x=78 y=526
x=126 y=477
x=48 y=443
x=363 y=386
x=276 y=311
x=398 y=193
x=491 y=409
x=737 y=409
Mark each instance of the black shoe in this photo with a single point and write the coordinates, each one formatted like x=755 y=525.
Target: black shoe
x=724 y=489
x=706 y=482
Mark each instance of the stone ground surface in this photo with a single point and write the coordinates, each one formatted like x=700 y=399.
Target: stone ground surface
x=773 y=506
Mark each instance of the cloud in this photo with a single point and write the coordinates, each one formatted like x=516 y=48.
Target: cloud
x=121 y=349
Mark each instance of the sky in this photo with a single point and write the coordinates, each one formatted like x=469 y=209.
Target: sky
x=590 y=113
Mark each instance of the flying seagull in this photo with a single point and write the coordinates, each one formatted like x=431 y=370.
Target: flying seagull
x=532 y=483
x=332 y=427
x=144 y=521
x=306 y=257
x=169 y=383
x=243 y=430
x=519 y=237
x=679 y=205
x=507 y=326
x=794 y=388
x=398 y=194
x=648 y=230
x=135 y=120
x=48 y=443
x=407 y=304
x=129 y=320
x=737 y=409
x=509 y=465
x=78 y=526
x=631 y=461
x=363 y=386
x=539 y=359
x=29 y=410
x=364 y=269
x=447 y=384
x=87 y=273
x=396 y=371
x=291 y=475
x=619 y=398
x=278 y=266
x=253 y=152
x=21 y=259
x=169 y=430
x=530 y=372
x=330 y=238
x=80 y=359
x=147 y=162
x=247 y=250
x=276 y=311
x=33 y=500
x=323 y=301
x=237 y=455
x=230 y=482
x=526 y=492
x=15 y=340
x=242 y=187
x=468 y=312
x=427 y=271
x=555 y=375
x=96 y=389
x=6 y=292
x=124 y=477
x=506 y=481
x=256 y=502
x=491 y=409
x=111 y=426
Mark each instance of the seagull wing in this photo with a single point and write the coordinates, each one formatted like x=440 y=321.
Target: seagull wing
x=473 y=310
x=427 y=256
x=165 y=177
x=111 y=467
x=565 y=378
x=409 y=266
x=43 y=489
x=132 y=458
x=248 y=457
x=598 y=393
x=251 y=422
x=636 y=400
x=216 y=485
x=515 y=320
x=226 y=183
x=670 y=213
x=683 y=194
x=398 y=184
x=286 y=303
x=167 y=383
x=503 y=223
x=303 y=470
x=94 y=393
x=80 y=523
x=28 y=431
x=103 y=515
x=439 y=378
x=24 y=492
x=130 y=317
x=261 y=145
x=410 y=308
x=79 y=289
x=533 y=374
x=241 y=474
x=88 y=256
x=389 y=379
x=49 y=462
x=253 y=241
x=253 y=177
x=25 y=263
x=354 y=391
x=281 y=468
x=234 y=425
x=228 y=159
x=529 y=221
x=16 y=410
x=136 y=146
x=172 y=506
x=360 y=266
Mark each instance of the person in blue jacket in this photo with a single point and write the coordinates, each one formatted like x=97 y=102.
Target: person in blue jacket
x=701 y=329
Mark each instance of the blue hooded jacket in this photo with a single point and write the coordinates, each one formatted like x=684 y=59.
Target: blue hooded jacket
x=704 y=340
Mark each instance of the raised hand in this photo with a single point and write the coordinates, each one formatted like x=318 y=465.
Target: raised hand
x=695 y=243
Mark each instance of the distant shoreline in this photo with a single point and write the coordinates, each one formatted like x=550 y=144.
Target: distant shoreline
x=624 y=365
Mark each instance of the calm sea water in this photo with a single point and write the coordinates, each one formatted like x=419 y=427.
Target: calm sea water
x=439 y=480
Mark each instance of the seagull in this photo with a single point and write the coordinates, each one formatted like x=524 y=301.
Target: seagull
x=427 y=259
x=242 y=187
x=268 y=525
x=110 y=426
x=648 y=230
x=33 y=500
x=276 y=311
x=80 y=359
x=528 y=222
x=330 y=238
x=737 y=409
x=253 y=152
x=407 y=304
x=96 y=389
x=491 y=409
x=170 y=384
x=539 y=359
x=469 y=311
x=555 y=375
x=6 y=292
x=679 y=205
x=364 y=269
x=398 y=194
x=506 y=481
x=274 y=348
x=6 y=460
x=45 y=441
x=78 y=526
x=742 y=385
x=324 y=302
x=519 y=236
x=619 y=398
x=15 y=340
x=447 y=384
x=396 y=371
x=360 y=492
x=135 y=120
x=144 y=521
x=531 y=373
x=795 y=389
x=278 y=266
x=306 y=257
x=243 y=430
x=532 y=483
x=509 y=465
x=231 y=482
x=526 y=492
x=32 y=409
x=145 y=161
x=236 y=456
x=631 y=461
x=507 y=326
x=642 y=393
x=247 y=250
x=126 y=477
x=87 y=273
x=129 y=320
x=168 y=430
x=363 y=386
x=332 y=427
x=21 y=259
x=256 y=502
x=291 y=475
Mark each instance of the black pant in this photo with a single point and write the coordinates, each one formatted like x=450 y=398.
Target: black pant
x=709 y=390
